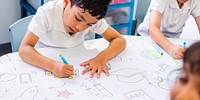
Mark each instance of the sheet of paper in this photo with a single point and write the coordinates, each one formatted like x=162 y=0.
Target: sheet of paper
x=138 y=73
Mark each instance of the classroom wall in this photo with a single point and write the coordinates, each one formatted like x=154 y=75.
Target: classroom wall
x=9 y=13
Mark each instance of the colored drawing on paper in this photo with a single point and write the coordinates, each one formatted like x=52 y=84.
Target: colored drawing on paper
x=150 y=54
x=64 y=94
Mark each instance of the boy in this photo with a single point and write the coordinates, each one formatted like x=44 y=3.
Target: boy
x=187 y=86
x=166 y=18
x=63 y=23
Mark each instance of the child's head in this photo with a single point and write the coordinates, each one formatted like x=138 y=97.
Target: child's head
x=80 y=14
x=187 y=87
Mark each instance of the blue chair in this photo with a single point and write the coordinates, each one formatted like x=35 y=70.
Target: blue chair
x=141 y=10
x=17 y=31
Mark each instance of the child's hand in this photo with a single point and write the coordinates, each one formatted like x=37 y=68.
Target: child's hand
x=176 y=51
x=95 y=64
x=62 y=70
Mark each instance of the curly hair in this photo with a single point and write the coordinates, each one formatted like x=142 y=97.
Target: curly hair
x=192 y=57
x=97 y=8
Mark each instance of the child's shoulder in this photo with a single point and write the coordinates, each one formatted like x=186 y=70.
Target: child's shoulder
x=160 y=2
x=51 y=5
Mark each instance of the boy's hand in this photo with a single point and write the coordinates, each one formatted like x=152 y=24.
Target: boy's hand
x=95 y=64
x=62 y=70
x=176 y=51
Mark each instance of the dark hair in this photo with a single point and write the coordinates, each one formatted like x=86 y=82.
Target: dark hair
x=192 y=57
x=96 y=8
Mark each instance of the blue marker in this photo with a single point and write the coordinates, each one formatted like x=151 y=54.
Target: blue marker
x=184 y=45
x=157 y=48
x=63 y=59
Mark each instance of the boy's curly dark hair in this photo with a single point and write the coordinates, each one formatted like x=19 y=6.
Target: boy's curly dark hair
x=192 y=57
x=96 y=8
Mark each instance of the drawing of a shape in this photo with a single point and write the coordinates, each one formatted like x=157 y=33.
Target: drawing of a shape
x=166 y=84
x=163 y=67
x=137 y=95
x=28 y=94
x=57 y=86
x=25 y=78
x=128 y=75
x=5 y=77
x=64 y=93
x=150 y=54
x=94 y=92
x=105 y=92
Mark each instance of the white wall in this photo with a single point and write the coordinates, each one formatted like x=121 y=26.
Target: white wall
x=9 y=13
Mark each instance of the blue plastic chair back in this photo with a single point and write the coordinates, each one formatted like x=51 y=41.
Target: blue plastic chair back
x=17 y=31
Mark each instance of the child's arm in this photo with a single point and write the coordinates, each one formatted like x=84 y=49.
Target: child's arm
x=98 y=63
x=197 y=19
x=176 y=51
x=28 y=53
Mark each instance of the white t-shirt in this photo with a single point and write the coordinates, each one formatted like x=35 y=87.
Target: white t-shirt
x=173 y=18
x=48 y=25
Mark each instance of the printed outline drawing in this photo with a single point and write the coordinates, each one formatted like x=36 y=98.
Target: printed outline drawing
x=164 y=87
x=164 y=84
x=103 y=90
x=163 y=67
x=8 y=75
x=126 y=78
x=127 y=95
x=90 y=89
x=96 y=88
x=98 y=94
x=53 y=87
x=33 y=90
x=64 y=94
x=11 y=62
x=25 y=78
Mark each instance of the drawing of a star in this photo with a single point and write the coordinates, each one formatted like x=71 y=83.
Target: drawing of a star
x=64 y=93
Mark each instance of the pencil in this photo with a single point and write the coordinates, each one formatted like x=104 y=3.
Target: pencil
x=157 y=48
x=63 y=59
x=184 y=45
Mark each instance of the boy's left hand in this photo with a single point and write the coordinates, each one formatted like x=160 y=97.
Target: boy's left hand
x=95 y=64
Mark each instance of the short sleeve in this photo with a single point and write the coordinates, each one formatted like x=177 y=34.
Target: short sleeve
x=158 y=5
x=38 y=24
x=196 y=9
x=100 y=27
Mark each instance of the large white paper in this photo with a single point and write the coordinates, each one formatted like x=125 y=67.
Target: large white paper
x=137 y=73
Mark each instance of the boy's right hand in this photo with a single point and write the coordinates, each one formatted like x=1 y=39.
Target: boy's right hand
x=62 y=70
x=176 y=51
